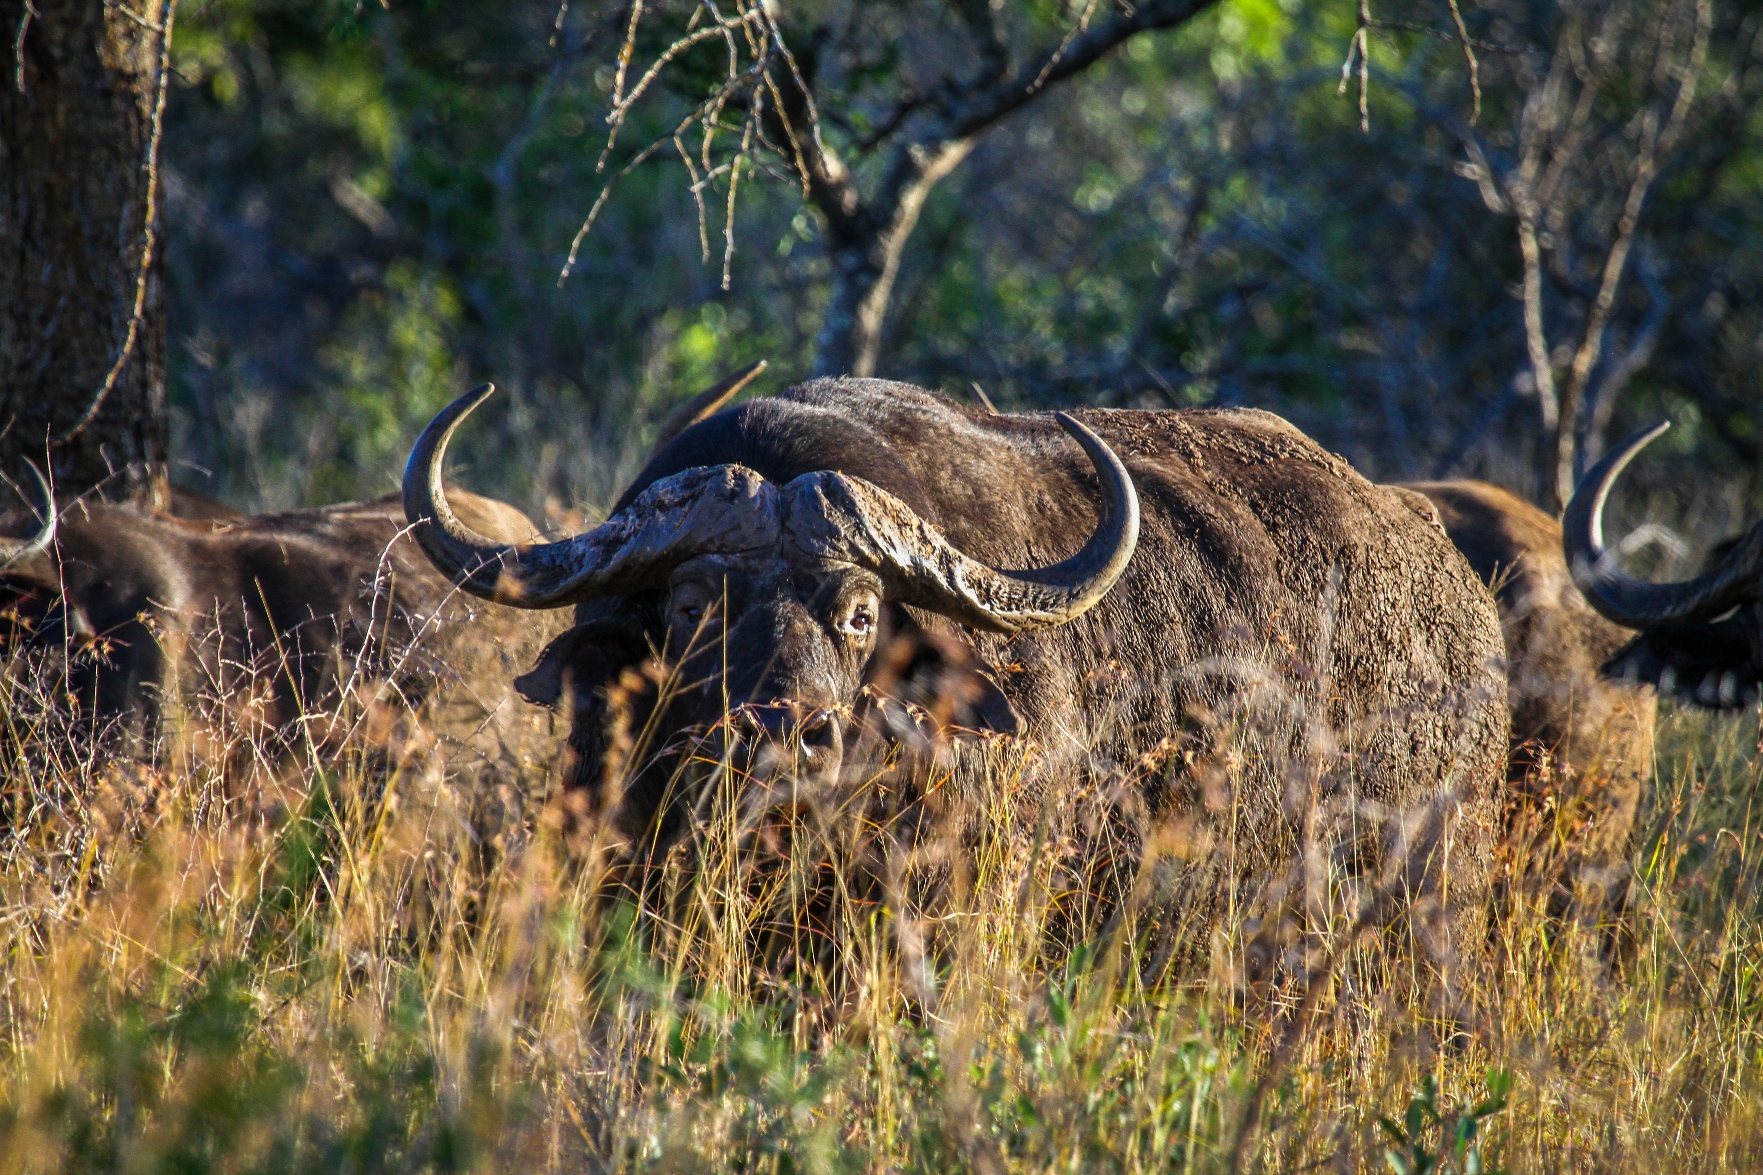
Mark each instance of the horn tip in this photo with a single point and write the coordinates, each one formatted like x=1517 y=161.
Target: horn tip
x=464 y=406
x=747 y=376
x=42 y=480
x=739 y=381
x=1642 y=438
x=1085 y=436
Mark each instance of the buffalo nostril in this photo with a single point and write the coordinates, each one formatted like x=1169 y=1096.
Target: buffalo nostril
x=775 y=724
x=819 y=731
x=772 y=735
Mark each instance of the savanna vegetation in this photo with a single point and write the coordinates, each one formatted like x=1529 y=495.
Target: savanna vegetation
x=1498 y=237
x=360 y=961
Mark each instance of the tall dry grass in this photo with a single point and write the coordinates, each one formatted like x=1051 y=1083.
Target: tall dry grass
x=391 y=951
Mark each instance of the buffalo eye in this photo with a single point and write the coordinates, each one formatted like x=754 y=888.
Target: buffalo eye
x=691 y=608
x=861 y=622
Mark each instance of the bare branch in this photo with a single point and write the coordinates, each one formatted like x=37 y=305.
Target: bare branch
x=24 y=28
x=1359 y=49
x=1364 y=66
x=1656 y=143
x=705 y=114
x=734 y=186
x=622 y=103
x=866 y=233
x=1634 y=359
x=1469 y=57
x=697 y=197
x=1083 y=23
x=968 y=115
x=1536 y=339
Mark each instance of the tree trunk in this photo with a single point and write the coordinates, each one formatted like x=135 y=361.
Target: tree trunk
x=82 y=322
x=866 y=260
x=867 y=235
x=856 y=271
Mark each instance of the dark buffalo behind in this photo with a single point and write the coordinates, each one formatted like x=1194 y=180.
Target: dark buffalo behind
x=262 y=620
x=1701 y=640
x=1293 y=689
x=1582 y=745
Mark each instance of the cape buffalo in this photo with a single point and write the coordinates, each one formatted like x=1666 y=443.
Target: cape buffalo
x=262 y=613
x=1582 y=746
x=1112 y=585
x=1701 y=640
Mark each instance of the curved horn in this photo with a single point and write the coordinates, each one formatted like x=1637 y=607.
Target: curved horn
x=717 y=509
x=704 y=405
x=830 y=512
x=15 y=551
x=1638 y=603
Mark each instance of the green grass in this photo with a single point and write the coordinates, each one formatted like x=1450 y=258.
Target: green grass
x=407 y=960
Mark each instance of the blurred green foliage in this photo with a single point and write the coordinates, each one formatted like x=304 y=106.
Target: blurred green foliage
x=368 y=207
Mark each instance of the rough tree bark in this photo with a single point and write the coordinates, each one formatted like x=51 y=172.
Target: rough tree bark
x=82 y=327
x=867 y=232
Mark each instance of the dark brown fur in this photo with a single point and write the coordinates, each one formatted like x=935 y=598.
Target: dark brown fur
x=270 y=611
x=1279 y=609
x=1582 y=745
x=194 y=507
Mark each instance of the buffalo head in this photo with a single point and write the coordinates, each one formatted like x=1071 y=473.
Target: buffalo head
x=1700 y=638
x=769 y=608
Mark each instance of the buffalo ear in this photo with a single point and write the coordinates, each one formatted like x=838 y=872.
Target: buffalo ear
x=581 y=659
x=943 y=677
x=1703 y=663
x=988 y=709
